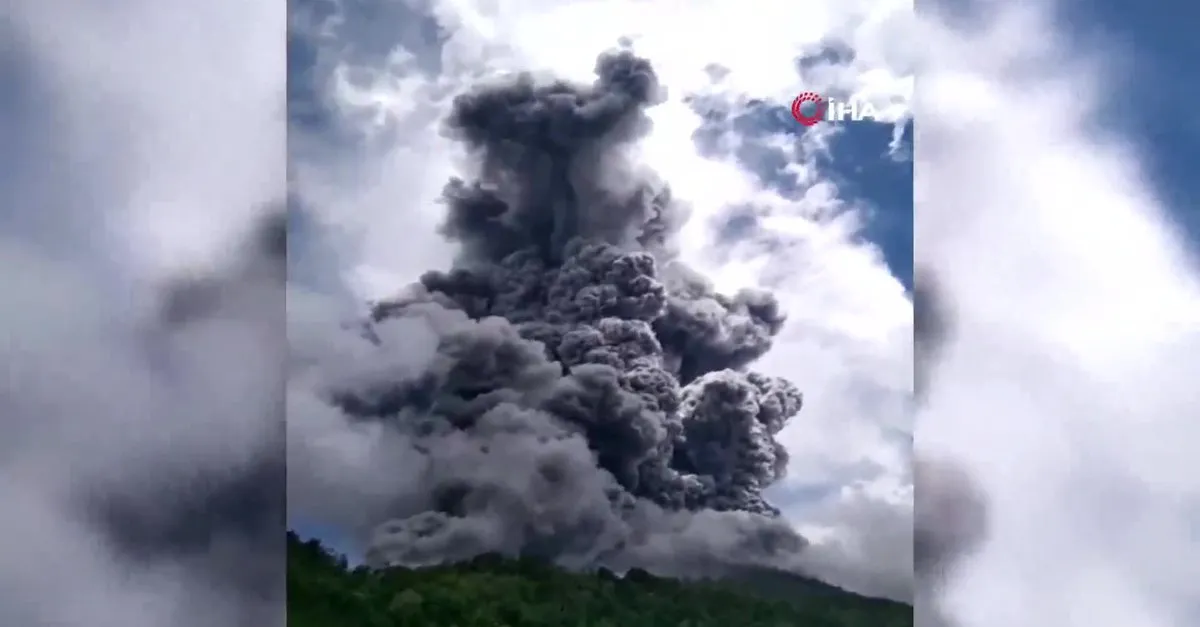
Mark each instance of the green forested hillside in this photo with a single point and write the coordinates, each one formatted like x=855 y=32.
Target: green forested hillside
x=496 y=592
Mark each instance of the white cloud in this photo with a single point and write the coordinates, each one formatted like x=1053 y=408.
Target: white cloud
x=1066 y=387
x=848 y=345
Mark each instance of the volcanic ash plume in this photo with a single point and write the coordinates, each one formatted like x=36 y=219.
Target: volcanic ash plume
x=567 y=389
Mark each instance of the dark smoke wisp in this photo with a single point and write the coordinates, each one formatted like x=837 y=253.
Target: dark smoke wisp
x=579 y=394
x=950 y=513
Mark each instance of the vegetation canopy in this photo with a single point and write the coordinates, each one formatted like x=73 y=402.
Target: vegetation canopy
x=494 y=591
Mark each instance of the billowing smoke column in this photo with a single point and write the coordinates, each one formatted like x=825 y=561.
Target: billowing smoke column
x=583 y=395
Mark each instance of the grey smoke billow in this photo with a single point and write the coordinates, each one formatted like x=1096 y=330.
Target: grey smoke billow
x=930 y=329
x=567 y=388
x=949 y=509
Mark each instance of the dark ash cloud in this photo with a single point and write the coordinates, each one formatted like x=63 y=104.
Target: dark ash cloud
x=568 y=388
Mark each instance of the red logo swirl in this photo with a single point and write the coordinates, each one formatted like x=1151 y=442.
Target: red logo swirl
x=819 y=105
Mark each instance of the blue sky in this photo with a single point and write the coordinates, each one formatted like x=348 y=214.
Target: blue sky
x=857 y=159
x=1154 y=54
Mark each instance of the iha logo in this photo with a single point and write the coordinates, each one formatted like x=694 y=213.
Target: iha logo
x=809 y=108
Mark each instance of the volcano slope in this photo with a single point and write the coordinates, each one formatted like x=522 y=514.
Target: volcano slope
x=493 y=591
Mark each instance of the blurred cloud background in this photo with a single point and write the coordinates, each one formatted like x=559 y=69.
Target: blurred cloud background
x=141 y=145
x=1055 y=206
